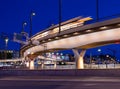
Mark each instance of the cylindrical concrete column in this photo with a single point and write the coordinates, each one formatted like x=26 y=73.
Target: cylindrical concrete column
x=27 y=64
x=80 y=63
x=42 y=64
x=55 y=65
x=32 y=67
x=31 y=58
x=79 y=58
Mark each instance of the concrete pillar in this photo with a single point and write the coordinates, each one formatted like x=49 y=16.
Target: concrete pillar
x=32 y=67
x=55 y=65
x=79 y=58
x=31 y=58
x=27 y=64
x=42 y=64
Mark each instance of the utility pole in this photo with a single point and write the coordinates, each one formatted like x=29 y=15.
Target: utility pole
x=31 y=15
x=6 y=45
x=60 y=14
x=22 y=33
x=97 y=10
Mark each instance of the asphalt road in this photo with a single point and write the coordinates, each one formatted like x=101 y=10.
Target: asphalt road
x=59 y=82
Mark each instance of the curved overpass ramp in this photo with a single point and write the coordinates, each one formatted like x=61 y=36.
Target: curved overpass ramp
x=87 y=36
x=80 y=41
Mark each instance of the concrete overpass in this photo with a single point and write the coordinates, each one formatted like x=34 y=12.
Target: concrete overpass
x=74 y=35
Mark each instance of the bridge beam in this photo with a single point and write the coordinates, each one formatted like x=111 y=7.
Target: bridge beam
x=79 y=58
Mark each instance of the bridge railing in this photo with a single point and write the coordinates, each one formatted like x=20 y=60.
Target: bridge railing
x=103 y=18
x=79 y=28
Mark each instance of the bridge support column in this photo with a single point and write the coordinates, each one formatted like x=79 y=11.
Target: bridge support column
x=31 y=58
x=55 y=65
x=42 y=64
x=32 y=67
x=79 y=58
x=27 y=64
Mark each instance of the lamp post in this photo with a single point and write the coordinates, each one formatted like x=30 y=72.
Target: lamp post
x=113 y=53
x=6 y=44
x=22 y=32
x=107 y=60
x=31 y=15
x=97 y=10
x=99 y=50
x=23 y=26
x=60 y=14
x=90 y=59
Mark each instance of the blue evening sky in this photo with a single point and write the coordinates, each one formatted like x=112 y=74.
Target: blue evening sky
x=14 y=12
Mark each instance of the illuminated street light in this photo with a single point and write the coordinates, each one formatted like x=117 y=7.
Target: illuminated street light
x=107 y=56
x=60 y=14
x=99 y=50
x=31 y=15
x=6 y=44
x=6 y=41
x=24 y=23
x=22 y=33
x=23 y=27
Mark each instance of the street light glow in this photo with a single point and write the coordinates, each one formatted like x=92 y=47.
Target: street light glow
x=6 y=40
x=25 y=24
x=107 y=55
x=6 y=43
x=99 y=50
x=33 y=14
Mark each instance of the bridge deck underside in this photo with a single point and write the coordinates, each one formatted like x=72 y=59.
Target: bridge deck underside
x=92 y=45
x=81 y=41
x=84 y=40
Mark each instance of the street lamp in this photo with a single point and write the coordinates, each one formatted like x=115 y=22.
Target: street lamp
x=6 y=44
x=90 y=59
x=97 y=10
x=99 y=50
x=6 y=41
x=60 y=14
x=22 y=33
x=31 y=15
x=113 y=53
x=24 y=24
x=23 y=27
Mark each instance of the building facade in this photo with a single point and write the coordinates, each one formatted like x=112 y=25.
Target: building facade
x=9 y=54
